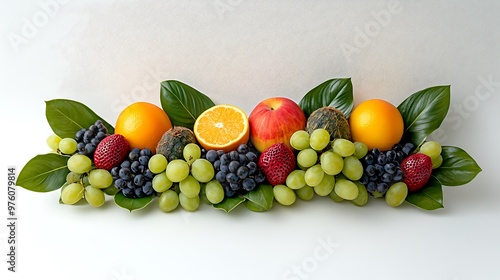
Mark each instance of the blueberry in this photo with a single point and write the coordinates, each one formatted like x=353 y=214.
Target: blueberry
x=139 y=180
x=147 y=189
x=138 y=192
x=87 y=136
x=249 y=184
x=89 y=149
x=100 y=135
x=232 y=178
x=224 y=168
x=373 y=178
x=406 y=150
x=125 y=174
x=375 y=152
x=390 y=168
x=125 y=164
x=148 y=174
x=211 y=156
x=252 y=167
x=135 y=166
x=400 y=156
x=217 y=165
x=134 y=154
x=370 y=170
x=80 y=147
x=387 y=178
x=251 y=156
x=128 y=192
x=233 y=166
x=369 y=159
x=371 y=186
x=228 y=191
x=398 y=175
x=396 y=148
x=145 y=152
x=120 y=184
x=224 y=159
x=364 y=179
x=391 y=155
x=382 y=187
x=260 y=177
x=143 y=160
x=114 y=172
x=242 y=149
x=382 y=159
x=242 y=172
x=220 y=152
x=79 y=135
x=234 y=155
x=221 y=176
x=235 y=186
x=94 y=141
x=380 y=169
x=242 y=158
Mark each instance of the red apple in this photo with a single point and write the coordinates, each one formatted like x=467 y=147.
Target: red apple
x=274 y=120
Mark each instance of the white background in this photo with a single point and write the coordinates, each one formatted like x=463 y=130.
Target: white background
x=108 y=55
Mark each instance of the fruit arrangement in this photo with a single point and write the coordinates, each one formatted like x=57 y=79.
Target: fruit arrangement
x=192 y=151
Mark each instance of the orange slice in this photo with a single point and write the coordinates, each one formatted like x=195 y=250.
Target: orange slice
x=222 y=127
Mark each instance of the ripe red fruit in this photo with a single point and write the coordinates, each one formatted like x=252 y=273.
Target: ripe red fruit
x=417 y=169
x=111 y=151
x=277 y=162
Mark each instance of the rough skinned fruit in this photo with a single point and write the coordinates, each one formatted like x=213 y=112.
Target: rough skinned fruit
x=111 y=151
x=277 y=162
x=173 y=141
x=417 y=169
x=330 y=119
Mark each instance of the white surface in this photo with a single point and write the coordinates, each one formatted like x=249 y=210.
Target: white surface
x=107 y=55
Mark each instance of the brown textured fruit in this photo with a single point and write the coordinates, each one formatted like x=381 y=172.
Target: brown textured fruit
x=277 y=162
x=111 y=151
x=330 y=119
x=417 y=170
x=173 y=141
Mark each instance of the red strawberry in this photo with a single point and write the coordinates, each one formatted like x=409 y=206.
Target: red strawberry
x=277 y=162
x=111 y=151
x=417 y=169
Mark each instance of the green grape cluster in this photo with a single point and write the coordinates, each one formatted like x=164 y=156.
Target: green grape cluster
x=433 y=149
x=180 y=181
x=325 y=169
x=84 y=182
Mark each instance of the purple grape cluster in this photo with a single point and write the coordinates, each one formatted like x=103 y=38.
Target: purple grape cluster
x=133 y=177
x=88 y=139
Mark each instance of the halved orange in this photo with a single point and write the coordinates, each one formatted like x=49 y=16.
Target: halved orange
x=222 y=127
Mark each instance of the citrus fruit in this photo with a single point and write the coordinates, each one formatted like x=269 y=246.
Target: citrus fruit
x=377 y=123
x=142 y=124
x=222 y=127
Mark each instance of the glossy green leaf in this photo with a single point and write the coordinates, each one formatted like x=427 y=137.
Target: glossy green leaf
x=334 y=93
x=262 y=196
x=229 y=203
x=423 y=112
x=428 y=198
x=111 y=190
x=458 y=167
x=44 y=173
x=182 y=103
x=132 y=204
x=66 y=117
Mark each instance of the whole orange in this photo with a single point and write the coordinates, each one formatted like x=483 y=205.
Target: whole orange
x=377 y=123
x=142 y=124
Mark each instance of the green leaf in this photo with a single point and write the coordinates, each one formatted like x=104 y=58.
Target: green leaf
x=229 y=203
x=132 y=204
x=66 y=117
x=333 y=93
x=430 y=197
x=111 y=190
x=423 y=112
x=262 y=196
x=458 y=167
x=44 y=173
x=182 y=103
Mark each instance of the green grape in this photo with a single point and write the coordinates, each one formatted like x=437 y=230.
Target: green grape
x=168 y=201
x=157 y=163
x=436 y=162
x=431 y=148
x=73 y=177
x=353 y=168
x=214 y=192
x=161 y=183
x=396 y=194
x=360 y=150
x=72 y=193
x=100 y=178
x=300 y=140
x=94 y=196
x=314 y=175
x=346 y=189
x=295 y=180
x=305 y=193
x=177 y=170
x=202 y=170
x=334 y=196
x=284 y=195
x=319 y=139
x=189 y=204
x=67 y=146
x=362 y=197
x=190 y=187
x=79 y=163
x=85 y=180
x=325 y=187
x=307 y=158
x=191 y=152
x=332 y=163
x=343 y=147
x=53 y=142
